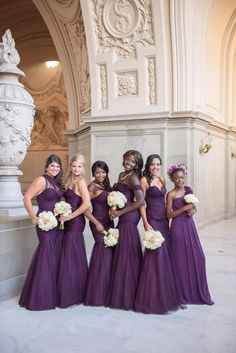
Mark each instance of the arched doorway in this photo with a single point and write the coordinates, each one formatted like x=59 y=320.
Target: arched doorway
x=61 y=93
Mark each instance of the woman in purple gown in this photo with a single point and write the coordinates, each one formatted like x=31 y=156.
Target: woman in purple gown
x=188 y=256
x=156 y=293
x=128 y=252
x=39 y=290
x=99 y=276
x=73 y=264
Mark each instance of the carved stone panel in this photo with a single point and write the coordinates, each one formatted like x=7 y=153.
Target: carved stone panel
x=46 y=133
x=76 y=32
x=151 y=80
x=103 y=86
x=123 y=26
x=127 y=83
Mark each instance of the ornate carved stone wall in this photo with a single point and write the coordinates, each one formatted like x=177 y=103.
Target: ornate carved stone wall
x=122 y=26
x=121 y=40
x=67 y=29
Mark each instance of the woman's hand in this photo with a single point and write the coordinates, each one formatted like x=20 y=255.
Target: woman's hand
x=63 y=219
x=147 y=226
x=35 y=220
x=114 y=213
x=188 y=207
x=191 y=212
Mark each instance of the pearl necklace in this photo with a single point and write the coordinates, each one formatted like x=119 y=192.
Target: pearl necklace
x=126 y=175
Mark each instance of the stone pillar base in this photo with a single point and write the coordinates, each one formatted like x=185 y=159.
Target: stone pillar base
x=10 y=192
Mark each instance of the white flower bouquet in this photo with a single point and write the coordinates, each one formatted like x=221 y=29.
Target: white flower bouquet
x=116 y=199
x=152 y=239
x=62 y=208
x=47 y=221
x=190 y=198
x=111 y=237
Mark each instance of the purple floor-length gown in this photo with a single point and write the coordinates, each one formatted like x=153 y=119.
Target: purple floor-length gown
x=39 y=291
x=73 y=264
x=99 y=276
x=188 y=257
x=156 y=293
x=128 y=255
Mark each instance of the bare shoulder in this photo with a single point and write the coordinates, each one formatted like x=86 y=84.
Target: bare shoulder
x=39 y=181
x=37 y=186
x=170 y=194
x=143 y=180
x=82 y=182
x=144 y=183
x=94 y=187
x=133 y=178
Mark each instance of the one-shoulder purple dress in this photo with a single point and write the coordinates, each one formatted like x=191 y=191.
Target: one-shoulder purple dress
x=188 y=257
x=128 y=255
x=73 y=264
x=40 y=288
x=99 y=276
x=156 y=293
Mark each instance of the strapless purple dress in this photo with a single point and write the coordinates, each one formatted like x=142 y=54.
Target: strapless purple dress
x=188 y=258
x=99 y=276
x=128 y=255
x=73 y=264
x=156 y=293
x=156 y=211
x=39 y=291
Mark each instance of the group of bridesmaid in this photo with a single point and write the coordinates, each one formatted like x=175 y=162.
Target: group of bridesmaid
x=122 y=277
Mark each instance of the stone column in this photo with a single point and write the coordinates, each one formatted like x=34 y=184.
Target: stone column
x=16 y=121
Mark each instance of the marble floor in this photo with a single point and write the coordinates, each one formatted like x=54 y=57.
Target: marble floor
x=197 y=329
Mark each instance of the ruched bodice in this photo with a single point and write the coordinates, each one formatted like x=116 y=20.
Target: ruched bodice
x=128 y=191
x=75 y=201
x=155 y=202
x=179 y=202
x=51 y=194
x=100 y=207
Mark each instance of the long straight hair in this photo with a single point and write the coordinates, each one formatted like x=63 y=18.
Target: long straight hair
x=56 y=159
x=146 y=171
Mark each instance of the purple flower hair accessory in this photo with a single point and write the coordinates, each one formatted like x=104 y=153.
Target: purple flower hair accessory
x=174 y=167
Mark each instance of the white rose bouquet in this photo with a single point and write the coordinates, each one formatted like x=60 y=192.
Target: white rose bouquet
x=116 y=199
x=111 y=237
x=190 y=198
x=47 y=221
x=152 y=239
x=64 y=209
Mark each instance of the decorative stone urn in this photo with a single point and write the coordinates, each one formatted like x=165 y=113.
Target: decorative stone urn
x=16 y=122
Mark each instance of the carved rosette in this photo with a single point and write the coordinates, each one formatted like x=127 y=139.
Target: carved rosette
x=152 y=80
x=127 y=83
x=16 y=110
x=123 y=25
x=103 y=86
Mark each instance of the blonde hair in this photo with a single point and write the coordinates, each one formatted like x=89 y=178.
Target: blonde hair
x=69 y=179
